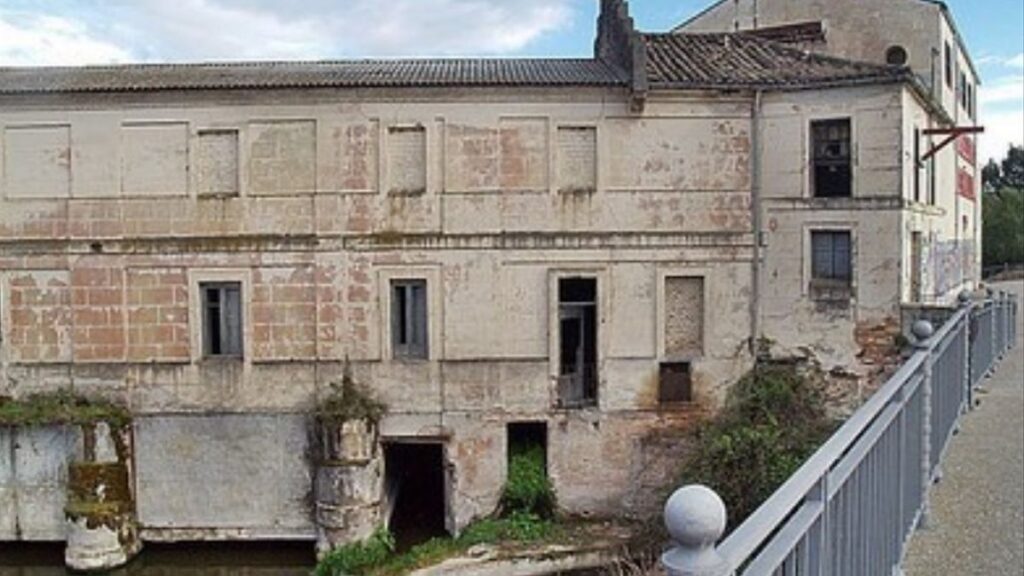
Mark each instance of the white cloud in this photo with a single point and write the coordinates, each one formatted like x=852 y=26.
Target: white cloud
x=1001 y=90
x=1017 y=61
x=39 y=39
x=1002 y=128
x=185 y=30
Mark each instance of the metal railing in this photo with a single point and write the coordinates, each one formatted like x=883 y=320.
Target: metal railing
x=852 y=507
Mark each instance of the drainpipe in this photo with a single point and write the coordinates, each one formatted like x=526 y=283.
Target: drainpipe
x=755 y=206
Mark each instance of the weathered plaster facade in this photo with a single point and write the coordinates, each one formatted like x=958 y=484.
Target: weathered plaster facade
x=689 y=208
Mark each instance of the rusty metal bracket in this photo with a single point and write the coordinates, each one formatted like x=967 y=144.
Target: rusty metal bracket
x=951 y=135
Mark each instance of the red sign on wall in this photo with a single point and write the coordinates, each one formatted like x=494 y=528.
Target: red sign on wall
x=965 y=146
x=965 y=184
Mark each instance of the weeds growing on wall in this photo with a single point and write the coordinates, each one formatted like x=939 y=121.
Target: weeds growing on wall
x=359 y=557
x=61 y=407
x=347 y=401
x=773 y=420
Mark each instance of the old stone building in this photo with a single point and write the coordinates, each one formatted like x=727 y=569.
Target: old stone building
x=585 y=252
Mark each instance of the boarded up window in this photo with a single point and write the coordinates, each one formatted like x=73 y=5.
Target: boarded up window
x=218 y=162
x=407 y=159
x=684 y=317
x=524 y=154
x=283 y=157
x=577 y=159
x=154 y=159
x=37 y=162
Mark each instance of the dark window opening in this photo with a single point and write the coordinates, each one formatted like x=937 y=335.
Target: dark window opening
x=409 y=319
x=577 y=315
x=526 y=436
x=831 y=157
x=949 y=65
x=917 y=165
x=675 y=384
x=222 y=319
x=415 y=492
x=831 y=265
x=896 y=56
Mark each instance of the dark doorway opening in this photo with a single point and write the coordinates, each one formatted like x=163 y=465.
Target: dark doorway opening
x=526 y=436
x=415 y=484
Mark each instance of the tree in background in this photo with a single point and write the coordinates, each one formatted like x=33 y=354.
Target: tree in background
x=1003 y=233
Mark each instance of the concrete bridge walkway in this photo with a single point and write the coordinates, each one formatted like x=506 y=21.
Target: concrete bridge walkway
x=977 y=523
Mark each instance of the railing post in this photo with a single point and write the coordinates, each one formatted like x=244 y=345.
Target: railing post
x=923 y=330
x=695 y=517
x=965 y=302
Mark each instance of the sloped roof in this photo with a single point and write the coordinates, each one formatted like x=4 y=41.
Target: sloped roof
x=737 y=60
x=696 y=61
x=320 y=74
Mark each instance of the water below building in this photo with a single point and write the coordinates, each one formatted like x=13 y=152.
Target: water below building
x=261 y=559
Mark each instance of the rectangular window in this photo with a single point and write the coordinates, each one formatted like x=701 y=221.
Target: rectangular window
x=577 y=317
x=831 y=157
x=407 y=160
x=675 y=384
x=222 y=319
x=949 y=65
x=831 y=266
x=577 y=159
x=409 y=319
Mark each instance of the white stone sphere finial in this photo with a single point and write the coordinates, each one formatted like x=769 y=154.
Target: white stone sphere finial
x=923 y=330
x=695 y=517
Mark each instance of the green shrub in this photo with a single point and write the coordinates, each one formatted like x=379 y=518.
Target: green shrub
x=773 y=420
x=358 y=558
x=61 y=407
x=528 y=488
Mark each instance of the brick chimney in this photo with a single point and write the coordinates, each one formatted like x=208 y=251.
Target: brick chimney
x=619 y=45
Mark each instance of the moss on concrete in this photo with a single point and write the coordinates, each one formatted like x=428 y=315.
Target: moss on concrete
x=61 y=408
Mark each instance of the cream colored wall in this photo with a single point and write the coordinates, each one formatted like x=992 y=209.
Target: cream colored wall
x=317 y=232
x=796 y=324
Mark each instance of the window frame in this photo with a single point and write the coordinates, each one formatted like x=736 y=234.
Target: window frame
x=414 y=321
x=814 y=160
x=223 y=288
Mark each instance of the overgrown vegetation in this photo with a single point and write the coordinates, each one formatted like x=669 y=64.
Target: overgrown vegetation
x=526 y=515
x=773 y=420
x=347 y=401
x=528 y=488
x=61 y=407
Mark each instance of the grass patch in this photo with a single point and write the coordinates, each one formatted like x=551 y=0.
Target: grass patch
x=375 y=556
x=61 y=408
x=773 y=420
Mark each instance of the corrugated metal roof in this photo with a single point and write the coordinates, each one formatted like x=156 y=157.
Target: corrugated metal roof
x=745 y=61
x=321 y=74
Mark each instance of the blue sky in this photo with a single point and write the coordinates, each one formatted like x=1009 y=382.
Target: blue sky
x=71 y=32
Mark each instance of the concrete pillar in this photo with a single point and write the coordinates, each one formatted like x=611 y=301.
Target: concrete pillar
x=102 y=526
x=695 y=517
x=348 y=485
